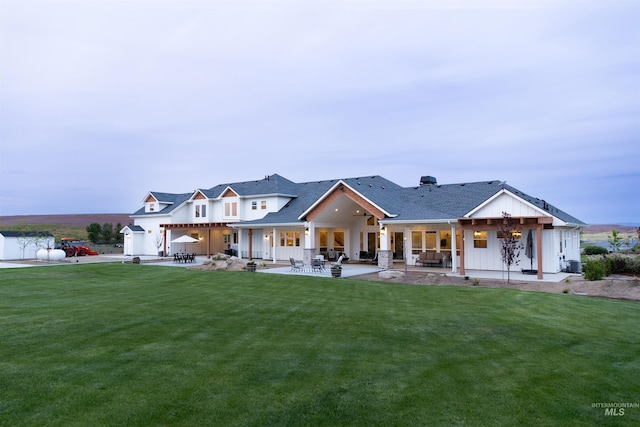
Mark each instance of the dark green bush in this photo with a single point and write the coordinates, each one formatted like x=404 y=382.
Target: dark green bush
x=594 y=270
x=595 y=250
x=625 y=264
x=609 y=266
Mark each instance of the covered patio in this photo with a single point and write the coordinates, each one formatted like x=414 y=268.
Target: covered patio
x=348 y=270
x=352 y=270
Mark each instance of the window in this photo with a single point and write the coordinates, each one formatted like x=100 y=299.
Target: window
x=254 y=206
x=201 y=211
x=431 y=240
x=263 y=205
x=480 y=239
x=445 y=240
x=290 y=238
x=516 y=234
x=416 y=242
x=226 y=238
x=323 y=242
x=338 y=240
x=152 y=207
x=371 y=220
x=231 y=209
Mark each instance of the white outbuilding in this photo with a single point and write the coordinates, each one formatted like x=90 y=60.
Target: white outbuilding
x=15 y=245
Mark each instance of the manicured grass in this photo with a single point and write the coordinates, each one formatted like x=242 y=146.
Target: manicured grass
x=124 y=344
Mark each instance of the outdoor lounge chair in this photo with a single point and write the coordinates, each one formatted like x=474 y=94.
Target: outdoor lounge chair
x=295 y=266
x=339 y=262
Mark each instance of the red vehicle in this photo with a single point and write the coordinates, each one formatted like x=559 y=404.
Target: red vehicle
x=73 y=248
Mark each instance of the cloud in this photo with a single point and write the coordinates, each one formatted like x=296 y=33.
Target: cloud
x=173 y=95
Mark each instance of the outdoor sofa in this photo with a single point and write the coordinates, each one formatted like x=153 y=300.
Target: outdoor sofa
x=429 y=258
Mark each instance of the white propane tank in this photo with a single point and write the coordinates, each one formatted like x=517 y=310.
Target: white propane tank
x=50 y=254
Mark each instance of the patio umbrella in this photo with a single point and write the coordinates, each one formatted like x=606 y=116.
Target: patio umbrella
x=528 y=250
x=184 y=239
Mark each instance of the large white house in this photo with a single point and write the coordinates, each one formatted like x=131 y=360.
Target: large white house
x=276 y=219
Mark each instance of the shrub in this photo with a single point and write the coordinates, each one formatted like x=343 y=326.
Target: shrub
x=594 y=270
x=595 y=250
x=633 y=265
x=625 y=264
x=609 y=266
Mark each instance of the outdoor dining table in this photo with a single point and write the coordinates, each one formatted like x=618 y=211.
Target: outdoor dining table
x=184 y=258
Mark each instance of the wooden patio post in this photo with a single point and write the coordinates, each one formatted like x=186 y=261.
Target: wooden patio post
x=250 y=244
x=164 y=241
x=208 y=242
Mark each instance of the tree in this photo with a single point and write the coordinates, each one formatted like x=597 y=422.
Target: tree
x=107 y=232
x=94 y=231
x=41 y=241
x=159 y=241
x=119 y=238
x=24 y=241
x=510 y=245
x=615 y=240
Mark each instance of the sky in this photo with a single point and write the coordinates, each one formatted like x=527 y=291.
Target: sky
x=103 y=101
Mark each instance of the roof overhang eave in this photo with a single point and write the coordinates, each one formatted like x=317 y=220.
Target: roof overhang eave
x=418 y=221
x=149 y=214
x=267 y=225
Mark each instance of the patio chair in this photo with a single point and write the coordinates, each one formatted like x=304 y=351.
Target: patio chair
x=339 y=262
x=295 y=266
x=317 y=265
x=331 y=255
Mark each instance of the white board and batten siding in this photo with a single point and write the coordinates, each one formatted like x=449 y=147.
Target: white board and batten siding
x=558 y=245
x=505 y=202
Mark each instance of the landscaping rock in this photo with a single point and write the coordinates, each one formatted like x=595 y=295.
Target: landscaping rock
x=222 y=262
x=390 y=274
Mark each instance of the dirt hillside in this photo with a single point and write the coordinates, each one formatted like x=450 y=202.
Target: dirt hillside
x=82 y=220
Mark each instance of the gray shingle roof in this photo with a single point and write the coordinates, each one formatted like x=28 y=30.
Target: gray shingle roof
x=425 y=202
x=12 y=233
x=272 y=184
x=542 y=204
x=135 y=228
x=379 y=190
x=452 y=201
x=174 y=200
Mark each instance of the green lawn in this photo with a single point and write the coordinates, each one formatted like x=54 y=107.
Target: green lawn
x=124 y=344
